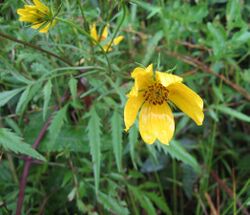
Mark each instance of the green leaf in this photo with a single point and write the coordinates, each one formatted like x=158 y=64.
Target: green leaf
x=188 y=180
x=154 y=10
x=233 y=13
x=57 y=123
x=8 y=95
x=152 y=43
x=216 y=33
x=143 y=199
x=112 y=204
x=233 y=113
x=94 y=132
x=47 y=90
x=73 y=87
x=177 y=151
x=26 y=96
x=242 y=37
x=159 y=202
x=23 y=99
x=133 y=139
x=10 y=141
x=116 y=126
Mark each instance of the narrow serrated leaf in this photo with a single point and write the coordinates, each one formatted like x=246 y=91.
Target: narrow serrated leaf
x=133 y=138
x=94 y=132
x=159 y=202
x=57 y=123
x=47 y=90
x=8 y=95
x=73 y=87
x=177 y=151
x=23 y=99
x=27 y=96
x=116 y=126
x=10 y=141
x=112 y=204
x=143 y=200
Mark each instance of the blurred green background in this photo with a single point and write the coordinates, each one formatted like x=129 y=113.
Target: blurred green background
x=89 y=165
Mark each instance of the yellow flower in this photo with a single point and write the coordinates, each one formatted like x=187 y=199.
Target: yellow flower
x=38 y=14
x=150 y=95
x=103 y=38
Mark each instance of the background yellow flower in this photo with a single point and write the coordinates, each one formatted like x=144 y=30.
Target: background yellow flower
x=39 y=15
x=103 y=36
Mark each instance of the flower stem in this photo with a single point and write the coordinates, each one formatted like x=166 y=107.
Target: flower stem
x=118 y=27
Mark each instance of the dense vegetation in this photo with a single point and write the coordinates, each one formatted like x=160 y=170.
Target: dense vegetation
x=62 y=94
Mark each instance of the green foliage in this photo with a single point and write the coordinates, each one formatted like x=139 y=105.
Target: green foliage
x=57 y=123
x=73 y=88
x=8 y=95
x=47 y=91
x=116 y=126
x=178 y=152
x=233 y=113
x=10 y=141
x=62 y=87
x=94 y=132
x=112 y=204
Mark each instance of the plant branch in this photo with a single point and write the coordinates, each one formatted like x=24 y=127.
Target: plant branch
x=224 y=187
x=26 y=169
x=8 y=37
x=196 y=63
x=29 y=160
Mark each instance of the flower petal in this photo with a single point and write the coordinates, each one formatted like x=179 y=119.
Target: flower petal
x=42 y=27
x=145 y=124
x=40 y=6
x=45 y=28
x=187 y=100
x=131 y=109
x=104 y=34
x=38 y=25
x=93 y=32
x=117 y=40
x=166 y=79
x=27 y=19
x=143 y=78
x=163 y=122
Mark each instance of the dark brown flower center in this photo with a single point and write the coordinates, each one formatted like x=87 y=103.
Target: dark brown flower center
x=156 y=94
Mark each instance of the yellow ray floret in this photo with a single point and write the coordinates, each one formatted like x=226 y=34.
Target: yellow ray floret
x=150 y=96
x=38 y=14
x=102 y=38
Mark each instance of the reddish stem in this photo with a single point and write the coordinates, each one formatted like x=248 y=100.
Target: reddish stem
x=26 y=169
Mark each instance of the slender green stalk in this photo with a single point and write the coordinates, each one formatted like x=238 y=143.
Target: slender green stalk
x=174 y=187
x=86 y=26
x=119 y=26
x=12 y=168
x=132 y=201
x=162 y=191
